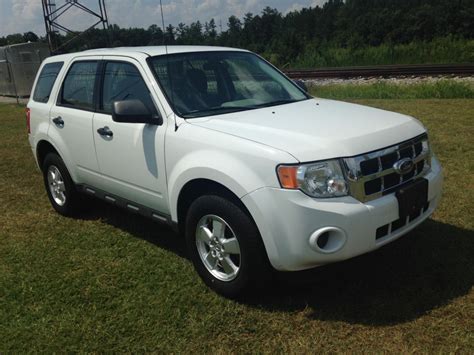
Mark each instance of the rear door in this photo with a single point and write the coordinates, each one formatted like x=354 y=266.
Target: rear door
x=71 y=119
x=40 y=101
x=131 y=159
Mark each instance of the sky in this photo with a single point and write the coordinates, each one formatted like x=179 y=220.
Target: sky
x=19 y=16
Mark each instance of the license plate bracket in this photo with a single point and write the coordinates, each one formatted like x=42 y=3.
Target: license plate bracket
x=412 y=198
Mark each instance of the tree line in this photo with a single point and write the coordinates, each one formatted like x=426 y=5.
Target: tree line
x=349 y=25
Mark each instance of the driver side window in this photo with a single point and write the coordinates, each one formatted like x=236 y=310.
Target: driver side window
x=123 y=81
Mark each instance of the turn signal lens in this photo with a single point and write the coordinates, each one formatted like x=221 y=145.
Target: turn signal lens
x=287 y=176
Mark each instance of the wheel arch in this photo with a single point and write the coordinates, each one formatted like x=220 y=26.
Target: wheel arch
x=198 y=187
x=43 y=148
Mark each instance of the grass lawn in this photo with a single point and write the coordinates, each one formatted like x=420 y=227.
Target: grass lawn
x=111 y=281
x=443 y=89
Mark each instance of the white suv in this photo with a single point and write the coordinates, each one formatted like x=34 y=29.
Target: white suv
x=220 y=144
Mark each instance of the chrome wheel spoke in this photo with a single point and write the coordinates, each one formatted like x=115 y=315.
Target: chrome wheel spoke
x=228 y=266
x=51 y=176
x=231 y=246
x=215 y=249
x=61 y=186
x=218 y=228
x=204 y=235
x=61 y=197
x=57 y=187
x=212 y=261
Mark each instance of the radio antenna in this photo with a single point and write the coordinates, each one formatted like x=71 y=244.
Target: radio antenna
x=163 y=26
x=168 y=64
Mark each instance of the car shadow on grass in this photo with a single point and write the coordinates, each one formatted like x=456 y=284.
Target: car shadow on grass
x=161 y=235
x=426 y=269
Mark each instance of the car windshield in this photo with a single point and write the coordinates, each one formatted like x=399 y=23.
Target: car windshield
x=211 y=83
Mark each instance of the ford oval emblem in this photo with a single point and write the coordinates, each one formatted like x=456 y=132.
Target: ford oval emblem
x=404 y=166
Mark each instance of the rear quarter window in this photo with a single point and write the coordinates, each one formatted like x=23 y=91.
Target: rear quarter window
x=46 y=81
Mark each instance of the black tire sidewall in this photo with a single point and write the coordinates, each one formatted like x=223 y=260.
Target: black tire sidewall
x=254 y=267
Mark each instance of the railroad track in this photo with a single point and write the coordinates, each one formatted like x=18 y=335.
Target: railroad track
x=383 y=71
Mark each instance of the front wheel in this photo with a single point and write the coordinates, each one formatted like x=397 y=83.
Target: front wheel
x=225 y=246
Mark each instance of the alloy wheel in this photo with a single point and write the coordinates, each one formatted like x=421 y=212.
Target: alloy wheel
x=218 y=247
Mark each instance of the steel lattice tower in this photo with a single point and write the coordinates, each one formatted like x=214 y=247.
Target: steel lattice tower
x=53 y=13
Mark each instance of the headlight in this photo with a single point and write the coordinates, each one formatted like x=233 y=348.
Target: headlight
x=323 y=179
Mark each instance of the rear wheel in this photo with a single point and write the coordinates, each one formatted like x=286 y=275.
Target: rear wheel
x=225 y=246
x=60 y=188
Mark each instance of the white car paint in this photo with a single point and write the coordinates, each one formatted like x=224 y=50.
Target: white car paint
x=318 y=129
x=150 y=165
x=135 y=148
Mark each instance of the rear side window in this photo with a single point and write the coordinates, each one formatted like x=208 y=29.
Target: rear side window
x=78 y=86
x=123 y=81
x=46 y=80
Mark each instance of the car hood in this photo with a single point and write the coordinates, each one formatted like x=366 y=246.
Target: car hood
x=317 y=129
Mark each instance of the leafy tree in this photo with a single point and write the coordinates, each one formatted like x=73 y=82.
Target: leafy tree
x=15 y=38
x=170 y=34
x=232 y=35
x=327 y=34
x=156 y=35
x=181 y=31
x=210 y=31
x=30 y=37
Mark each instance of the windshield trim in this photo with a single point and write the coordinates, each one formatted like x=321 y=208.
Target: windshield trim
x=149 y=61
x=241 y=109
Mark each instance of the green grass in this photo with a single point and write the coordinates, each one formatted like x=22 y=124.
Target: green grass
x=439 y=51
x=443 y=89
x=110 y=281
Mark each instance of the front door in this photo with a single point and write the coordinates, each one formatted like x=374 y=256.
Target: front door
x=130 y=155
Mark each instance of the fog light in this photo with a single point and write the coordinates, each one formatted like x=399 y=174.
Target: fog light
x=328 y=240
x=322 y=240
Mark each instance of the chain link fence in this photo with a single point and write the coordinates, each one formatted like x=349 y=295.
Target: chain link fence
x=18 y=66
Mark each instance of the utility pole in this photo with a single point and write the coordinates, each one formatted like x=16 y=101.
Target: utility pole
x=52 y=14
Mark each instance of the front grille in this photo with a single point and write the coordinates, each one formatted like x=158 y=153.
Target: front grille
x=391 y=228
x=373 y=175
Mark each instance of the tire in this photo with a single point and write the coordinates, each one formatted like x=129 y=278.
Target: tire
x=62 y=193
x=212 y=246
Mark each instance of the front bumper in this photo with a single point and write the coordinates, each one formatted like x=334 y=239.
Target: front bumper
x=287 y=219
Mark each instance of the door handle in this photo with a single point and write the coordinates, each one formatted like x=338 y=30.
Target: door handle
x=58 y=121
x=105 y=132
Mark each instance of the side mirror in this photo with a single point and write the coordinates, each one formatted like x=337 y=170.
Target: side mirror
x=301 y=84
x=134 y=111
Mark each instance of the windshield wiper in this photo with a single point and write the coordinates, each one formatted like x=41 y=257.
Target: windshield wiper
x=230 y=109
x=276 y=103
x=199 y=113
